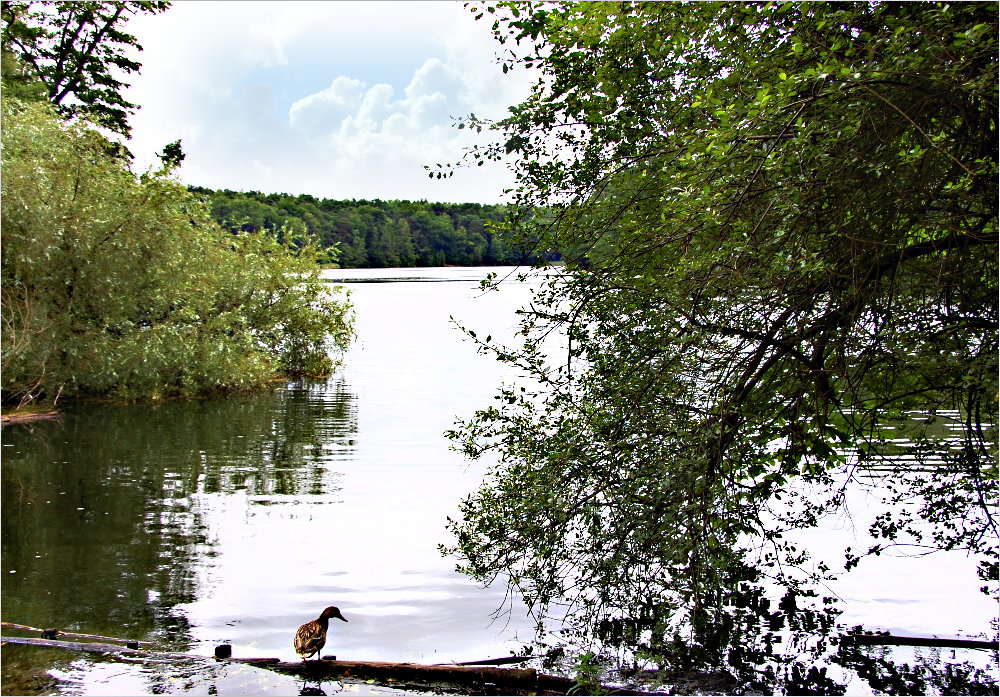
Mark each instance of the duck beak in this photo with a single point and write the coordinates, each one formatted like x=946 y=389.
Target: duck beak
x=341 y=617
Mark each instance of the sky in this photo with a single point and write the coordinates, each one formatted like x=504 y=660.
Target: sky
x=340 y=100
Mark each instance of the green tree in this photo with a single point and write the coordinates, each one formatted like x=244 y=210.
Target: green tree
x=401 y=242
x=172 y=155
x=77 y=51
x=779 y=222
x=124 y=285
x=432 y=235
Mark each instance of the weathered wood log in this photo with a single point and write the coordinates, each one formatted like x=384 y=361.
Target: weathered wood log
x=59 y=632
x=892 y=640
x=506 y=660
x=506 y=680
x=21 y=417
x=509 y=680
x=92 y=646
x=99 y=647
x=521 y=678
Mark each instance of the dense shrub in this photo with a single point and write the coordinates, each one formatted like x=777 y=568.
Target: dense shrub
x=122 y=285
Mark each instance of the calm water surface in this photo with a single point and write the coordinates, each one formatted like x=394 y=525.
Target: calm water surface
x=234 y=521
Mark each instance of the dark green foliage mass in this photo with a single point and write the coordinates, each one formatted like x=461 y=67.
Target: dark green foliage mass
x=779 y=222
x=376 y=234
x=73 y=54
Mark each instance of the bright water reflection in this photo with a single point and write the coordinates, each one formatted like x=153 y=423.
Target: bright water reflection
x=193 y=524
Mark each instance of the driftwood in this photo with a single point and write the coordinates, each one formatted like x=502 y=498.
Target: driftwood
x=23 y=417
x=53 y=633
x=100 y=647
x=481 y=677
x=507 y=680
x=493 y=679
x=130 y=649
x=92 y=646
x=891 y=640
x=516 y=678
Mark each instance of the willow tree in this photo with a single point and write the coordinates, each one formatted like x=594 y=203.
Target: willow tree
x=779 y=227
x=123 y=285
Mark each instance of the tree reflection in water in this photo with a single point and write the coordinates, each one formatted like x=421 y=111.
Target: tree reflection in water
x=102 y=521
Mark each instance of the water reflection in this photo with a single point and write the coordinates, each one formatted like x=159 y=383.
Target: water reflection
x=281 y=446
x=236 y=520
x=106 y=513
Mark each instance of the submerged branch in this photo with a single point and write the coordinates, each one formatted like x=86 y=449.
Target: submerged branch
x=53 y=633
x=890 y=640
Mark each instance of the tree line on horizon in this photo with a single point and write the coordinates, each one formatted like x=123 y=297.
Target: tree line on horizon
x=374 y=233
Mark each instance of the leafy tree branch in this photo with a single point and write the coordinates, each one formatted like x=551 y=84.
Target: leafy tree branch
x=779 y=223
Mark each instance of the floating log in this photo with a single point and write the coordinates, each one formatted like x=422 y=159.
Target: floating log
x=22 y=417
x=892 y=640
x=516 y=678
x=508 y=680
x=130 y=649
x=506 y=660
x=92 y=646
x=469 y=673
x=53 y=633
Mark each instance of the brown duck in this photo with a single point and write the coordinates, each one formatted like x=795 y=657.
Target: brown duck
x=311 y=636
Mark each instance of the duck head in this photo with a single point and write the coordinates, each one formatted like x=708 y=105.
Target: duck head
x=333 y=612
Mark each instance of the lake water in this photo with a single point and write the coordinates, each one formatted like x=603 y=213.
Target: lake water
x=233 y=521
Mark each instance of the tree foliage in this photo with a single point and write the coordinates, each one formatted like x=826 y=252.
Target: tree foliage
x=77 y=52
x=779 y=221
x=121 y=285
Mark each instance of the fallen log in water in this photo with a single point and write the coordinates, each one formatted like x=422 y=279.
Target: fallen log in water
x=130 y=650
x=93 y=646
x=22 y=417
x=53 y=633
x=507 y=680
x=892 y=640
x=502 y=680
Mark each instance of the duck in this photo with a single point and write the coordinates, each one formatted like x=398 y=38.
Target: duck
x=311 y=637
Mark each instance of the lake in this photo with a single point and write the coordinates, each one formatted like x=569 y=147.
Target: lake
x=191 y=524
x=233 y=521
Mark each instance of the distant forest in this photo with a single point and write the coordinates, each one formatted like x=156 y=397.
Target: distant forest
x=373 y=234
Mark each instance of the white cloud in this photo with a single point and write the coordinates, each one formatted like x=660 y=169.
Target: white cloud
x=335 y=99
x=435 y=77
x=351 y=120
x=330 y=106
